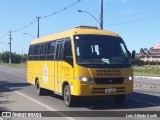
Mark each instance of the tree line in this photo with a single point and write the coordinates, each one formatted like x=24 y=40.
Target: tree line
x=16 y=58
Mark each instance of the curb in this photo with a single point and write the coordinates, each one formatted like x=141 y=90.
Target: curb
x=145 y=86
x=148 y=77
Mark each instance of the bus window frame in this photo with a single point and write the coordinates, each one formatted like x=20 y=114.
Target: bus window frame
x=59 y=51
x=43 y=54
x=36 y=52
x=31 y=52
x=52 y=55
x=68 y=59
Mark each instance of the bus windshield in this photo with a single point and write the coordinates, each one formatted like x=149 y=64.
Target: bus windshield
x=101 y=50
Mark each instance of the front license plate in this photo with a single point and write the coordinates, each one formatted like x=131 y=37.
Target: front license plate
x=110 y=90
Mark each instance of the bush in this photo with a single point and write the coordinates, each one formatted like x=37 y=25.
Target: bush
x=15 y=58
x=138 y=61
x=5 y=57
x=0 y=56
x=147 y=70
x=24 y=58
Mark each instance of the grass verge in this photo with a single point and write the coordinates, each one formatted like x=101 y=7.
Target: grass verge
x=147 y=70
x=23 y=65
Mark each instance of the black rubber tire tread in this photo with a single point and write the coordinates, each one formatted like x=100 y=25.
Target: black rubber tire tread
x=69 y=100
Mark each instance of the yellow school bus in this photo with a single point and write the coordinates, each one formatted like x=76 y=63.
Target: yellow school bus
x=84 y=61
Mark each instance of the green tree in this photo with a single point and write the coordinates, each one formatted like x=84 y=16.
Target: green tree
x=138 y=61
x=141 y=50
x=5 y=57
x=16 y=58
x=24 y=58
x=0 y=56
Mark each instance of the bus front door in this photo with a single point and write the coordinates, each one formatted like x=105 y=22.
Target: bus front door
x=58 y=66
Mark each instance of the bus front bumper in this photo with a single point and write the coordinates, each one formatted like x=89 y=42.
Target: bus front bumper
x=101 y=90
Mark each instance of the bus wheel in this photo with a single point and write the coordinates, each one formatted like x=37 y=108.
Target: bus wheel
x=39 y=89
x=119 y=99
x=68 y=98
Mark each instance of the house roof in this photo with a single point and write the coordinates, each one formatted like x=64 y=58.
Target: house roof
x=156 y=46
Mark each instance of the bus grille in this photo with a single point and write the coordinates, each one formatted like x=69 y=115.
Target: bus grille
x=108 y=80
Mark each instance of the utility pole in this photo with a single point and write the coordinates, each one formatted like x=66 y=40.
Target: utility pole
x=10 y=44
x=22 y=57
x=101 y=16
x=38 y=26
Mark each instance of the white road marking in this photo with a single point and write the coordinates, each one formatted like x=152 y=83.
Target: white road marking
x=1 y=118
x=149 y=102
x=140 y=88
x=49 y=108
x=8 y=71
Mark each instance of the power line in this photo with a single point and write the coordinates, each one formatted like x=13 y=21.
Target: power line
x=61 y=10
x=49 y=15
x=135 y=21
x=33 y=21
x=4 y=35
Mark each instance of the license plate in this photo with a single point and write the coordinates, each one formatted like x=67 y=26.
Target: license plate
x=110 y=90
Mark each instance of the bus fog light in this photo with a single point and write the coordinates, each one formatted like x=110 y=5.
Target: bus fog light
x=130 y=78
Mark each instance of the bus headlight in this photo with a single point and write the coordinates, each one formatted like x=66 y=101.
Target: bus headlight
x=127 y=79
x=84 y=79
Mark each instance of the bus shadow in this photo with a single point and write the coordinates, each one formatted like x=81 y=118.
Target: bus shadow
x=3 y=109
x=135 y=100
x=11 y=86
x=132 y=101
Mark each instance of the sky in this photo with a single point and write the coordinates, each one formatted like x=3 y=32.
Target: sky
x=136 y=21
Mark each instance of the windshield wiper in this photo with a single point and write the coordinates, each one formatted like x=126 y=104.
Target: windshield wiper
x=121 y=61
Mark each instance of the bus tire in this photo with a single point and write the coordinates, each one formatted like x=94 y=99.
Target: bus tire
x=67 y=97
x=119 y=99
x=40 y=90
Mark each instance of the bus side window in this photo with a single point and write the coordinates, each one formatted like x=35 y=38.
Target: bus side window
x=51 y=50
x=57 y=53
x=31 y=52
x=59 y=50
x=43 y=51
x=36 y=52
x=68 y=51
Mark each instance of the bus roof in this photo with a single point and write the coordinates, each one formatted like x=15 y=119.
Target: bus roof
x=76 y=30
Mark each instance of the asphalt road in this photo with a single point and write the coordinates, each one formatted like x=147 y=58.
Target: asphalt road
x=17 y=95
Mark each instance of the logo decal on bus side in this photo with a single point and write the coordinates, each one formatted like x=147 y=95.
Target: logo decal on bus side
x=45 y=74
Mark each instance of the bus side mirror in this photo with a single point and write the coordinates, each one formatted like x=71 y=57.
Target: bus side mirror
x=129 y=54
x=133 y=54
